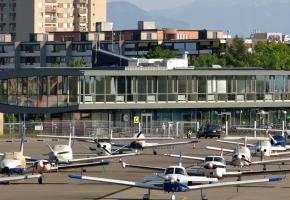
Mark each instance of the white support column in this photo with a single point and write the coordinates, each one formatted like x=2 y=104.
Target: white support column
x=255 y=128
x=227 y=128
x=1 y=124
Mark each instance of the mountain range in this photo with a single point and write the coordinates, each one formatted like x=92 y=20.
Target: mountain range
x=240 y=17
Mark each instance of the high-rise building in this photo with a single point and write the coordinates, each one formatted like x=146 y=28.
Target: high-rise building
x=22 y=17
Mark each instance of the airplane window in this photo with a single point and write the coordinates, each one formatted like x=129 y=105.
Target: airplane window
x=179 y=171
x=207 y=159
x=219 y=159
x=169 y=171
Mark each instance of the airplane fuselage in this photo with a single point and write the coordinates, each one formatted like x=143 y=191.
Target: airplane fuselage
x=241 y=156
x=61 y=154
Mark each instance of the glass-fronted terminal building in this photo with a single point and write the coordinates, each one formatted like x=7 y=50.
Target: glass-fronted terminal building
x=237 y=95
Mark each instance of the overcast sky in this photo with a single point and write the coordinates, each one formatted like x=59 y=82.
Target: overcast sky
x=156 y=4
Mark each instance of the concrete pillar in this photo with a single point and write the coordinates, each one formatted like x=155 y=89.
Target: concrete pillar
x=1 y=123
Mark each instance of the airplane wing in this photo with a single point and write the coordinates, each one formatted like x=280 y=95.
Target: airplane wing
x=88 y=139
x=102 y=157
x=261 y=129
x=134 y=139
x=153 y=145
x=280 y=153
x=66 y=137
x=18 y=178
x=90 y=164
x=118 y=182
x=234 y=183
x=124 y=165
x=235 y=143
x=185 y=157
x=220 y=149
x=252 y=173
x=264 y=162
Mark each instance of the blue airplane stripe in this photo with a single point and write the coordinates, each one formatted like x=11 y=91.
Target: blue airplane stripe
x=75 y=176
x=275 y=179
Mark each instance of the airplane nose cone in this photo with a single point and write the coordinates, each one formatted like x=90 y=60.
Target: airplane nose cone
x=210 y=165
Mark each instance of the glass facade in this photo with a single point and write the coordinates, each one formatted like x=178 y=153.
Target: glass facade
x=59 y=91
x=40 y=91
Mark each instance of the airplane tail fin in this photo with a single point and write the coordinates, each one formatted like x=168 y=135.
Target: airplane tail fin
x=22 y=143
x=69 y=140
x=139 y=135
x=180 y=159
x=246 y=141
x=222 y=151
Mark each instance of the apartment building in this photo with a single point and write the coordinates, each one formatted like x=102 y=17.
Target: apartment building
x=22 y=17
x=42 y=51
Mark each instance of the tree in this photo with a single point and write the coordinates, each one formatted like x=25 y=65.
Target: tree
x=274 y=55
x=208 y=60
x=237 y=54
x=158 y=52
x=76 y=63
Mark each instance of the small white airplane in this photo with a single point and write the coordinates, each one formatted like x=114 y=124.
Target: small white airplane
x=63 y=154
x=175 y=179
x=216 y=166
x=139 y=142
x=277 y=140
x=241 y=156
x=15 y=163
x=263 y=147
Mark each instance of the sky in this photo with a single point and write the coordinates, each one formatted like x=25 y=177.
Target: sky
x=156 y=4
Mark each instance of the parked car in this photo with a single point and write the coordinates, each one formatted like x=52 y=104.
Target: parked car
x=209 y=130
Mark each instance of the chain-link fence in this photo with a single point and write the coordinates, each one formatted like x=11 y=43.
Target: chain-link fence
x=103 y=129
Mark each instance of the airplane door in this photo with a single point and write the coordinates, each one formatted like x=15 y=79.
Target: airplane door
x=146 y=120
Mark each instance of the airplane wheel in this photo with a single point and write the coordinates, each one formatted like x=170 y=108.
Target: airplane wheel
x=155 y=153
x=173 y=197
x=40 y=180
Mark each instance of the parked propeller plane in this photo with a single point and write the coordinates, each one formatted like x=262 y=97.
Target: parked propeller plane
x=216 y=166
x=139 y=142
x=175 y=179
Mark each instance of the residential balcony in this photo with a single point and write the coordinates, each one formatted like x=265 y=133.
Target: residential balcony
x=50 y=9
x=50 y=29
x=81 y=1
x=51 y=20
x=50 y=1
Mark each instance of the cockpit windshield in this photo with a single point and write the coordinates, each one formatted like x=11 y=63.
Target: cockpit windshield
x=219 y=159
x=175 y=171
x=208 y=159
x=169 y=171
x=179 y=171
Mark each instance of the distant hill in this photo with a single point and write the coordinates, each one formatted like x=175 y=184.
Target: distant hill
x=238 y=16
x=125 y=16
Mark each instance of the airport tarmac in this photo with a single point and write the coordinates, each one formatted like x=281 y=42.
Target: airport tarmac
x=59 y=186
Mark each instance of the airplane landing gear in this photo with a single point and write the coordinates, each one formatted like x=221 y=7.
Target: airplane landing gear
x=154 y=152
x=40 y=180
x=173 y=197
x=146 y=196
x=204 y=197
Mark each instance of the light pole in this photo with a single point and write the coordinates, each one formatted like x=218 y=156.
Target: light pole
x=241 y=112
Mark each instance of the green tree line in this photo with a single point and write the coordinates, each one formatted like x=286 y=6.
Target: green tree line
x=265 y=54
